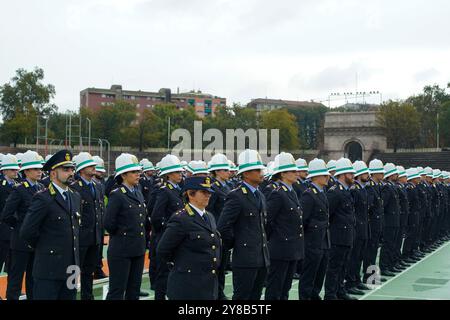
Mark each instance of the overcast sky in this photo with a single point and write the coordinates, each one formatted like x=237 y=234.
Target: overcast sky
x=297 y=50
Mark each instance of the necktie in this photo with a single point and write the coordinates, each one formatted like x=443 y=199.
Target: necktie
x=91 y=186
x=66 y=199
x=205 y=217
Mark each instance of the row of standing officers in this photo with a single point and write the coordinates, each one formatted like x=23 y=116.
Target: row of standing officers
x=297 y=221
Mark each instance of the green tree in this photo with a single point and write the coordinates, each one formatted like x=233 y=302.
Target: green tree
x=444 y=124
x=400 y=122
x=26 y=92
x=428 y=104
x=286 y=122
x=18 y=128
x=144 y=133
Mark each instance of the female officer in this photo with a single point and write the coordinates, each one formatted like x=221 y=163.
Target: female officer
x=192 y=243
x=124 y=220
x=284 y=229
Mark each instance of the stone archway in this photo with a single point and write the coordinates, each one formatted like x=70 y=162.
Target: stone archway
x=354 y=151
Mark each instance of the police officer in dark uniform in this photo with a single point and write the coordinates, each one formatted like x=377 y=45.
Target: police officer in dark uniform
x=51 y=227
x=147 y=179
x=413 y=193
x=16 y=207
x=391 y=225
x=302 y=183
x=242 y=226
x=376 y=213
x=342 y=229
x=284 y=229
x=315 y=208
x=405 y=208
x=219 y=169
x=10 y=169
x=124 y=220
x=168 y=201
x=91 y=232
x=361 y=200
x=192 y=244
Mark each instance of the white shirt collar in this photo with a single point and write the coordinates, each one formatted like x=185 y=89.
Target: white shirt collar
x=61 y=190
x=200 y=212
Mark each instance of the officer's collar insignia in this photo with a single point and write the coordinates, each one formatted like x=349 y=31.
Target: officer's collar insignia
x=80 y=183
x=26 y=184
x=218 y=183
x=314 y=190
x=4 y=182
x=244 y=191
x=123 y=190
x=284 y=188
x=51 y=189
x=67 y=157
x=170 y=186
x=189 y=210
x=341 y=187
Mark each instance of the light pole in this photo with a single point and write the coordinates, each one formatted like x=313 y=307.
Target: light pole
x=89 y=134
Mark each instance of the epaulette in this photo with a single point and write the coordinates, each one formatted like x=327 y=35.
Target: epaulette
x=189 y=210
x=123 y=190
x=51 y=189
x=244 y=191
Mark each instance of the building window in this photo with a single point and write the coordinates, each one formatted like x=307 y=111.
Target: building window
x=133 y=97
x=103 y=95
x=199 y=104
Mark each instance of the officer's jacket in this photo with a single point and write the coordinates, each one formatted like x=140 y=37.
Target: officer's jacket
x=16 y=208
x=147 y=184
x=285 y=225
x=270 y=186
x=413 y=194
x=300 y=187
x=376 y=208
x=331 y=182
x=194 y=247
x=125 y=222
x=217 y=200
x=316 y=219
x=434 y=201
x=424 y=200
x=242 y=225
x=442 y=200
x=45 y=181
x=361 y=200
x=168 y=201
x=5 y=190
x=92 y=211
x=404 y=205
x=391 y=204
x=51 y=227
x=342 y=215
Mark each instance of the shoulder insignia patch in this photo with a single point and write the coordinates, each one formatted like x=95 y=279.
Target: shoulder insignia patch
x=244 y=191
x=123 y=190
x=189 y=210
x=51 y=189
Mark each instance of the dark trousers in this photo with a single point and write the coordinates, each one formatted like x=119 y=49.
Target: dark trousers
x=353 y=276
x=88 y=262
x=153 y=261
x=20 y=262
x=425 y=233
x=313 y=273
x=221 y=272
x=4 y=254
x=337 y=267
x=248 y=283
x=99 y=265
x=399 y=243
x=160 y=273
x=125 y=277
x=279 y=279
x=370 y=256
x=411 y=241
x=53 y=290
x=387 y=253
